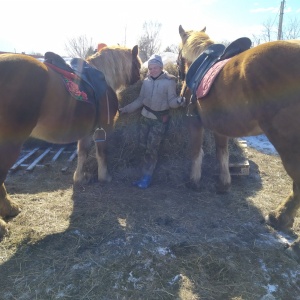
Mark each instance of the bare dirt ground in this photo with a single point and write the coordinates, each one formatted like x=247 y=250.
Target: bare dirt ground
x=115 y=241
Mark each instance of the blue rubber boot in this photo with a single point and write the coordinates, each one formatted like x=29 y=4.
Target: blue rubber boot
x=144 y=182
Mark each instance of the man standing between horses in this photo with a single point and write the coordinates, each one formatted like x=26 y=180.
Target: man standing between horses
x=157 y=96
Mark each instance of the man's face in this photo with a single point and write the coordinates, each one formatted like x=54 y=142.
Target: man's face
x=154 y=70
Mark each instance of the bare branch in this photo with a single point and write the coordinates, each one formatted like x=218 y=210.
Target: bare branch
x=79 y=47
x=292 y=29
x=149 y=42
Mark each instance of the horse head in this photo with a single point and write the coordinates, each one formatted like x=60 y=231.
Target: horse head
x=120 y=65
x=193 y=43
x=136 y=65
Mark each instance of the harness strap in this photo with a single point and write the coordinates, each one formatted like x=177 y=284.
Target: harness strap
x=108 y=112
x=156 y=113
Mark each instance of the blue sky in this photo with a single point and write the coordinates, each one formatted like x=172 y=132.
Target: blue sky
x=33 y=26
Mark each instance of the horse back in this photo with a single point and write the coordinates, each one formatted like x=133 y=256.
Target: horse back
x=265 y=72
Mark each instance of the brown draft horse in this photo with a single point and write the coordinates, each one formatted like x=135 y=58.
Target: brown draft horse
x=256 y=92
x=34 y=102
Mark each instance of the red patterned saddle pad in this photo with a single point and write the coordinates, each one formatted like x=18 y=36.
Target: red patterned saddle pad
x=209 y=78
x=70 y=81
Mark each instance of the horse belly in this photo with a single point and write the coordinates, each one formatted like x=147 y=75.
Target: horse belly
x=233 y=128
x=64 y=127
x=229 y=119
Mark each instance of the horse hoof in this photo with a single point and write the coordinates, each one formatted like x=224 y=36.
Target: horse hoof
x=3 y=229
x=293 y=251
x=223 y=189
x=108 y=178
x=14 y=211
x=193 y=185
x=9 y=209
x=279 y=222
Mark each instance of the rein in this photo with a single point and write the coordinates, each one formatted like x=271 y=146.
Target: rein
x=180 y=65
x=190 y=108
x=108 y=114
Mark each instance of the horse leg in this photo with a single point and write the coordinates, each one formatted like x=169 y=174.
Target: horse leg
x=196 y=131
x=83 y=146
x=8 y=208
x=282 y=217
x=222 y=155
x=3 y=228
x=103 y=175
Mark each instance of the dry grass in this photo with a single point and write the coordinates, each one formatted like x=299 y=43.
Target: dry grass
x=167 y=242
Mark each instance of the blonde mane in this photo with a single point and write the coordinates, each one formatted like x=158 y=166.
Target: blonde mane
x=193 y=43
x=115 y=62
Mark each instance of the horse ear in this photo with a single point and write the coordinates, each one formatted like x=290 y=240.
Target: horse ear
x=182 y=33
x=204 y=29
x=135 y=51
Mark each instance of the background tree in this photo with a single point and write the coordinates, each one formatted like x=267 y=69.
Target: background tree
x=149 y=42
x=269 y=32
x=255 y=40
x=80 y=46
x=292 y=30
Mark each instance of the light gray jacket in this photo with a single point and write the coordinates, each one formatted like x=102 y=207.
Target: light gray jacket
x=159 y=94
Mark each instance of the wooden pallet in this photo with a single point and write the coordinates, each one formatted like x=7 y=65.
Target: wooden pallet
x=41 y=157
x=242 y=167
x=29 y=159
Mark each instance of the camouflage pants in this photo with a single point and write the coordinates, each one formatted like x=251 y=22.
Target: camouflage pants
x=151 y=134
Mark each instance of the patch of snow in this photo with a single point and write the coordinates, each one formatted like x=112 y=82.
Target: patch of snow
x=260 y=143
x=81 y=266
x=268 y=297
x=77 y=232
x=272 y=288
x=60 y=295
x=117 y=242
x=131 y=278
x=135 y=281
x=263 y=265
x=163 y=251
x=175 y=279
x=168 y=57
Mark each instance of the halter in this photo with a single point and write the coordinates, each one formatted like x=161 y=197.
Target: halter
x=134 y=70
